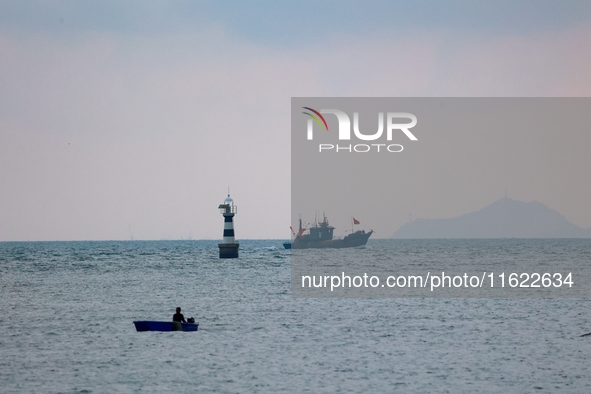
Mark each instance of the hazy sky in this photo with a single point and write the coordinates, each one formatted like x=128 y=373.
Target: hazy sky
x=467 y=153
x=132 y=118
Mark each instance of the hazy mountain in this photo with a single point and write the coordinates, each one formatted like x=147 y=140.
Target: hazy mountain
x=505 y=218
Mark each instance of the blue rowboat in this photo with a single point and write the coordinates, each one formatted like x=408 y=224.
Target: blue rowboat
x=145 y=325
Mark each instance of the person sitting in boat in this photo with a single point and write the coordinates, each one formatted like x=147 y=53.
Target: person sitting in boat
x=178 y=316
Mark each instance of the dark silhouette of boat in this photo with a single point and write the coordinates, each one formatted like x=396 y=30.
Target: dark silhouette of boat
x=146 y=325
x=321 y=236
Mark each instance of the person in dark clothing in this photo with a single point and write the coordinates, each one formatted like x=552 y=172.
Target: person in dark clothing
x=178 y=316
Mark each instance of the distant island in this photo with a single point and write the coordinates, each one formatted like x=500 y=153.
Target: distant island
x=505 y=218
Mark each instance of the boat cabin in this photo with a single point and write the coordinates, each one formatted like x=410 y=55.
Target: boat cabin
x=321 y=232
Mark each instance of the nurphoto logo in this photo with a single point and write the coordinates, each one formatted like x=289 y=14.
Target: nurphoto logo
x=393 y=125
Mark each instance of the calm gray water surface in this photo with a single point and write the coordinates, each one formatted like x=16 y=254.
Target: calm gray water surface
x=67 y=310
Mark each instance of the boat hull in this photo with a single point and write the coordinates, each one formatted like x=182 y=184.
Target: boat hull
x=358 y=238
x=145 y=325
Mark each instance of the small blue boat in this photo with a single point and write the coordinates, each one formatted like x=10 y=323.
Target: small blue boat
x=145 y=325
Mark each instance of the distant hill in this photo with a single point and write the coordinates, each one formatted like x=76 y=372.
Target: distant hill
x=505 y=218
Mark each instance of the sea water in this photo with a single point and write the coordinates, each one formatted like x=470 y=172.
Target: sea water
x=67 y=312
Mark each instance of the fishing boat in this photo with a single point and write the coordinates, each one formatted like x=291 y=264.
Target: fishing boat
x=146 y=325
x=321 y=236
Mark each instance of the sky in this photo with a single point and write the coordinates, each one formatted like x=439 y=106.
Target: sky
x=467 y=153
x=131 y=119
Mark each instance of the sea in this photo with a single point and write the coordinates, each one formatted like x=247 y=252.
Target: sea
x=67 y=312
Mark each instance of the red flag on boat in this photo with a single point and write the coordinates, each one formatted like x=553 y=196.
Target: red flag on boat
x=355 y=221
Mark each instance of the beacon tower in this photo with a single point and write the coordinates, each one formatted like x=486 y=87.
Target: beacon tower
x=229 y=246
